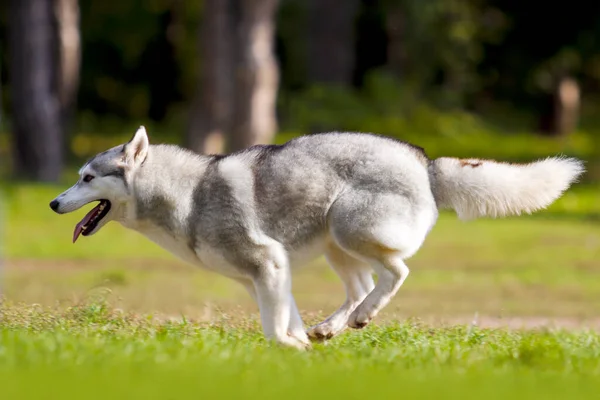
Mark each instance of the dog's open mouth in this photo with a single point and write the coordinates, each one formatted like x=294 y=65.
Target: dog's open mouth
x=90 y=221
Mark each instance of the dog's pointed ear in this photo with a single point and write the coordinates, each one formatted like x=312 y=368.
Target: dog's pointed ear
x=136 y=150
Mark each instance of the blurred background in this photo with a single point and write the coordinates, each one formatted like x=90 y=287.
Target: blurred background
x=504 y=79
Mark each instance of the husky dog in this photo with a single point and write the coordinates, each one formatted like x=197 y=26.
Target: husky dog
x=365 y=201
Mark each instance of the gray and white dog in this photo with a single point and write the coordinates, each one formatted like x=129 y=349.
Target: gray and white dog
x=365 y=201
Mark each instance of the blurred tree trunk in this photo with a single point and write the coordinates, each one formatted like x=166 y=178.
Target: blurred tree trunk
x=567 y=98
x=159 y=66
x=69 y=57
x=331 y=40
x=256 y=75
x=210 y=119
x=396 y=48
x=561 y=113
x=2 y=50
x=38 y=140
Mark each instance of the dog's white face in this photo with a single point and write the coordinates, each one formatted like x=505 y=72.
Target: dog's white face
x=105 y=179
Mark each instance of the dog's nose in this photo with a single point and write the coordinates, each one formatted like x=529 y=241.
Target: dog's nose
x=54 y=205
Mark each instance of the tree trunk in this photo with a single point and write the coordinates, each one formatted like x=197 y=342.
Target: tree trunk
x=38 y=139
x=256 y=75
x=396 y=48
x=3 y=156
x=211 y=114
x=2 y=50
x=331 y=40
x=567 y=106
x=69 y=53
x=561 y=115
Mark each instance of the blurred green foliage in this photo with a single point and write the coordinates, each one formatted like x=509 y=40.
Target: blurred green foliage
x=140 y=56
x=387 y=107
x=471 y=81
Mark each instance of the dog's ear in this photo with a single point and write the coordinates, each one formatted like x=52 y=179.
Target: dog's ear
x=136 y=150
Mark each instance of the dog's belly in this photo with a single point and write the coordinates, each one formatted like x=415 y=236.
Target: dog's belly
x=214 y=259
x=302 y=255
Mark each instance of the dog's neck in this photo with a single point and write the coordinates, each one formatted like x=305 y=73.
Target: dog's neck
x=162 y=192
x=162 y=189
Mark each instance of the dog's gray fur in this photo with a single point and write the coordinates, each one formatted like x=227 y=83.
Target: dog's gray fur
x=366 y=202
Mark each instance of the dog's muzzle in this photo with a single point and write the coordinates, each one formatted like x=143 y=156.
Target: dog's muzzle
x=54 y=205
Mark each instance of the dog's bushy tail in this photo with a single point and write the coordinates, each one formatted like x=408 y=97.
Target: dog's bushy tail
x=486 y=188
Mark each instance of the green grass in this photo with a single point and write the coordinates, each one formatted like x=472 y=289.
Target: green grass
x=95 y=352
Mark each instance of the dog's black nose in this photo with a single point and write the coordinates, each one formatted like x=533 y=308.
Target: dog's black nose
x=54 y=205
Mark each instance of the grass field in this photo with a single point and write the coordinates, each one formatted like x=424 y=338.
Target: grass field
x=92 y=352
x=504 y=308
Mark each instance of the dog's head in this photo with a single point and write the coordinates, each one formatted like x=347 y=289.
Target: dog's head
x=105 y=178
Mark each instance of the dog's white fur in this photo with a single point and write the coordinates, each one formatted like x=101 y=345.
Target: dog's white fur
x=484 y=188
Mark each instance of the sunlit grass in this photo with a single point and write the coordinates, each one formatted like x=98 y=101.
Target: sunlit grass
x=95 y=352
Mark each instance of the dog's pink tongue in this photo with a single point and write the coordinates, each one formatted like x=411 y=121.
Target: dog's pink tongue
x=83 y=222
x=78 y=230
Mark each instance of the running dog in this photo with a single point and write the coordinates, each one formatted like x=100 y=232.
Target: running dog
x=364 y=201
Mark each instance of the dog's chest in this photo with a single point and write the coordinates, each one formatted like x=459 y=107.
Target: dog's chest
x=179 y=245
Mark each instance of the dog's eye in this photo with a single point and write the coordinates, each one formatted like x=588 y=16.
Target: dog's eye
x=88 y=178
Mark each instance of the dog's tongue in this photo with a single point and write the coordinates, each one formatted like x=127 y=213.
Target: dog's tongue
x=84 y=221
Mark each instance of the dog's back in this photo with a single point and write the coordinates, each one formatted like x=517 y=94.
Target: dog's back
x=296 y=184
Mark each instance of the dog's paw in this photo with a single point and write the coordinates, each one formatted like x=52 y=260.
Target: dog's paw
x=301 y=345
x=320 y=333
x=323 y=331
x=359 y=319
x=299 y=342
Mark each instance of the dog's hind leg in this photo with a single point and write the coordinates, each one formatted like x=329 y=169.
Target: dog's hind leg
x=391 y=272
x=382 y=230
x=358 y=281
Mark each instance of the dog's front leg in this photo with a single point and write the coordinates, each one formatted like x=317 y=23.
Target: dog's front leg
x=295 y=326
x=279 y=315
